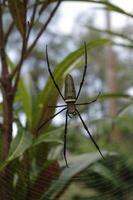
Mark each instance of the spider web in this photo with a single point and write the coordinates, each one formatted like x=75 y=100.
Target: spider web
x=92 y=178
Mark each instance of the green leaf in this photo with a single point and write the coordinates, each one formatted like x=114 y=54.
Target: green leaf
x=78 y=164
x=124 y=109
x=47 y=137
x=49 y=95
x=110 y=6
x=114 y=95
x=106 y=173
x=19 y=145
x=121 y=35
x=23 y=94
x=129 y=46
x=24 y=141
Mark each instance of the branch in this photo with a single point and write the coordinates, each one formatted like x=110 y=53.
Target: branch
x=32 y=20
x=24 y=47
x=18 y=67
x=44 y=6
x=26 y=53
x=8 y=32
x=42 y=30
x=6 y=85
x=2 y=47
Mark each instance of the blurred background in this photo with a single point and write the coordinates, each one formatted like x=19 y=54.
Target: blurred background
x=110 y=71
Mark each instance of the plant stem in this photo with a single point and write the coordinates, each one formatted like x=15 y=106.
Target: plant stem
x=6 y=86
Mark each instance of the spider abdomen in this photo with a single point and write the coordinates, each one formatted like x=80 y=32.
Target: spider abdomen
x=70 y=92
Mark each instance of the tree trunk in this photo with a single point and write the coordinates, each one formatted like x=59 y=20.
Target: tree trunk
x=6 y=174
x=111 y=79
x=6 y=88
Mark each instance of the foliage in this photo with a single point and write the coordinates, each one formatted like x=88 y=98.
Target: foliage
x=27 y=162
x=115 y=178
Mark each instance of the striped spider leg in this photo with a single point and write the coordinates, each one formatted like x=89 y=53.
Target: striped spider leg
x=70 y=98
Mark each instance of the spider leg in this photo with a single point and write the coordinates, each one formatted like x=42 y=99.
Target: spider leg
x=84 y=73
x=90 y=134
x=50 y=119
x=57 y=106
x=94 y=100
x=50 y=72
x=69 y=115
x=65 y=139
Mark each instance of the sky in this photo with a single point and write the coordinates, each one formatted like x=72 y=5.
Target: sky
x=70 y=10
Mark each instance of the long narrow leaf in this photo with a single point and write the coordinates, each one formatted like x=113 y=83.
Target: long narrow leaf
x=80 y=163
x=48 y=137
x=18 y=146
x=23 y=94
x=113 y=33
x=110 y=6
x=115 y=95
x=24 y=141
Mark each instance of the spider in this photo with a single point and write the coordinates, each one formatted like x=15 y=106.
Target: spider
x=70 y=98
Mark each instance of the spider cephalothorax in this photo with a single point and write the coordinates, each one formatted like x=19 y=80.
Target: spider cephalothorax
x=70 y=98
